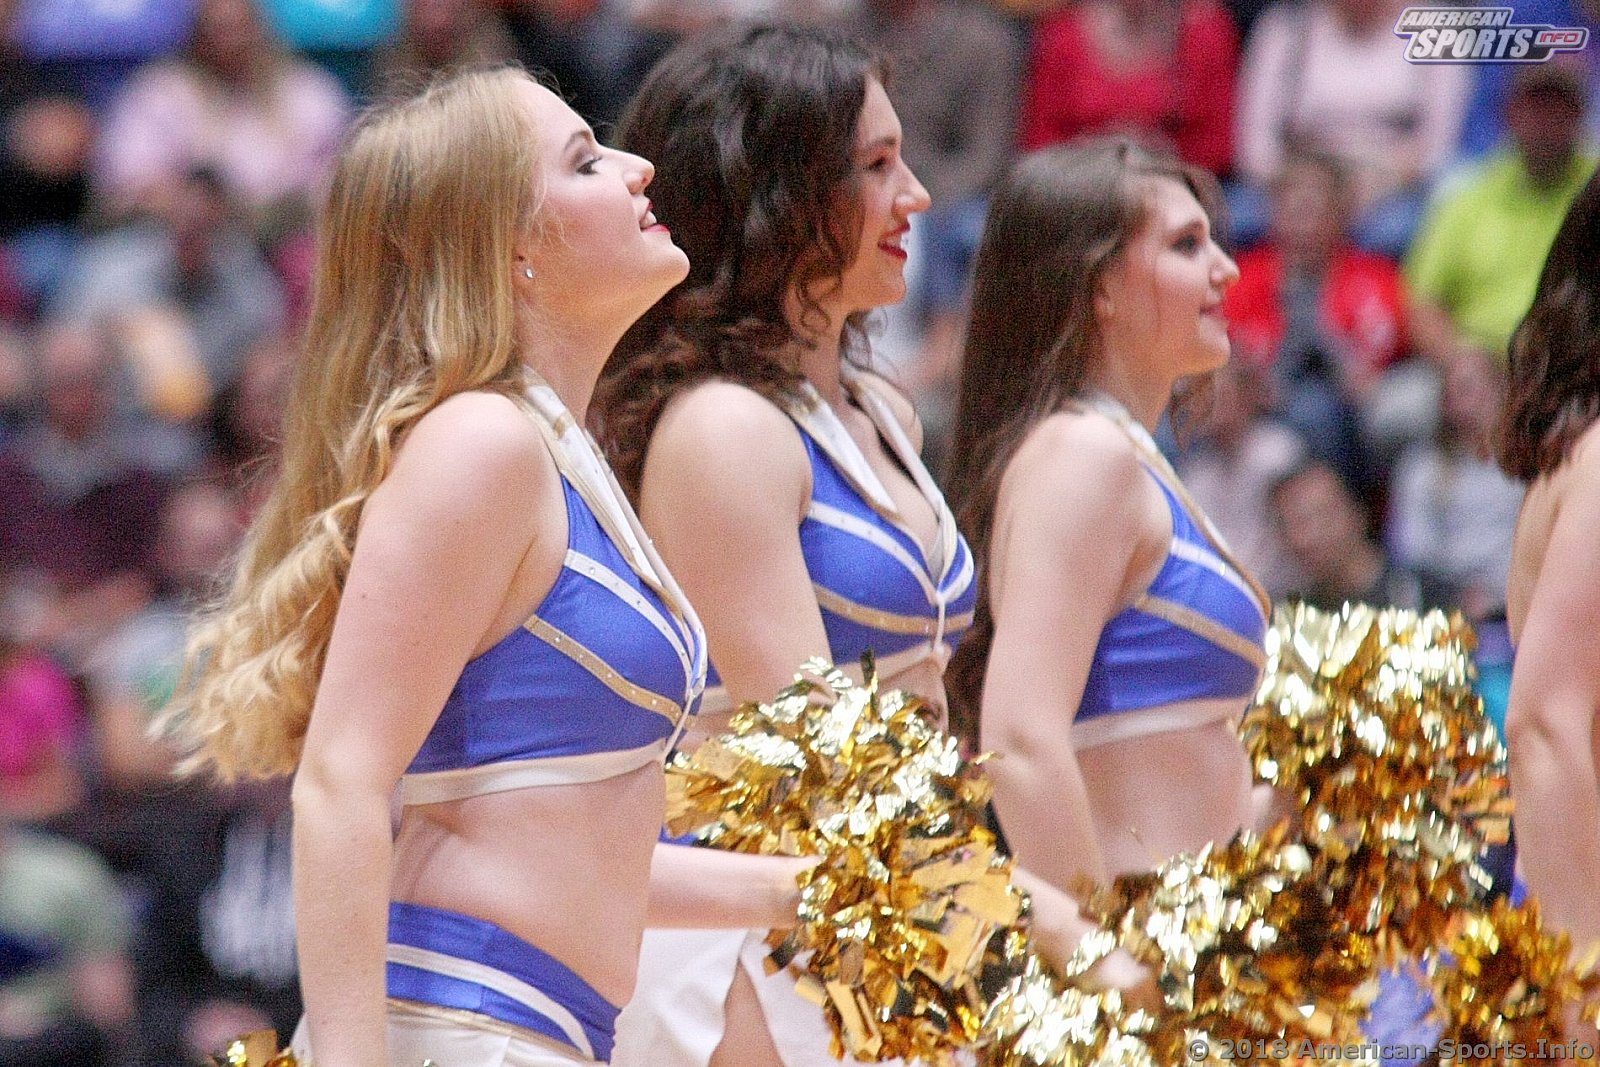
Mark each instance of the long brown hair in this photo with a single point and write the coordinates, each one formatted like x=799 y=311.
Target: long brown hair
x=1057 y=223
x=752 y=130
x=1553 y=386
x=412 y=303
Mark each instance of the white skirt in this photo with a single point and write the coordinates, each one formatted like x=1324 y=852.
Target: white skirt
x=419 y=1034
x=675 y=1018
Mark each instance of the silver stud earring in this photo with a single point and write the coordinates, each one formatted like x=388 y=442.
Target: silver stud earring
x=527 y=272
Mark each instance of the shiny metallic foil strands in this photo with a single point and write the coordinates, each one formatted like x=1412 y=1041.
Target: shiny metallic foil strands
x=1038 y=1021
x=1504 y=983
x=1368 y=718
x=898 y=917
x=1244 y=949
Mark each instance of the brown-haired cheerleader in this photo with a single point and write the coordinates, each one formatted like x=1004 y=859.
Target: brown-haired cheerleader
x=1117 y=639
x=1547 y=438
x=780 y=479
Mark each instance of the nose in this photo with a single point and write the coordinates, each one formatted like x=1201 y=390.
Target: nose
x=1225 y=271
x=912 y=199
x=638 y=171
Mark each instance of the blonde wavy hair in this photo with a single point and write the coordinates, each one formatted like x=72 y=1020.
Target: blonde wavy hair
x=412 y=303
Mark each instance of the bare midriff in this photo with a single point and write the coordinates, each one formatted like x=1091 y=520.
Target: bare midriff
x=565 y=868
x=1157 y=795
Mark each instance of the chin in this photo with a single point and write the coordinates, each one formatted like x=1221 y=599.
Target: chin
x=673 y=270
x=889 y=296
x=1210 y=356
x=654 y=286
x=1203 y=364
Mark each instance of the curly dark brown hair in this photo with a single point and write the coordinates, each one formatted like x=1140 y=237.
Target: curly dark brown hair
x=752 y=130
x=1553 y=384
x=1057 y=223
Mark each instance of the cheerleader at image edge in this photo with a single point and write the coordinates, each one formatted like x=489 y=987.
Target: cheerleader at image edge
x=1547 y=437
x=1116 y=640
x=448 y=594
x=780 y=478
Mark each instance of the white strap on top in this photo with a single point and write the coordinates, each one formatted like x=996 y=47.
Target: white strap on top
x=1104 y=729
x=817 y=417
x=884 y=418
x=579 y=459
x=433 y=787
x=1146 y=446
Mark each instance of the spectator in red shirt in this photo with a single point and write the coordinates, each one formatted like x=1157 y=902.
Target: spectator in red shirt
x=1163 y=68
x=1327 y=318
x=1361 y=309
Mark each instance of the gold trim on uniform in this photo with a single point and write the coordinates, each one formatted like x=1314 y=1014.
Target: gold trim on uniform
x=1204 y=626
x=887 y=621
x=607 y=675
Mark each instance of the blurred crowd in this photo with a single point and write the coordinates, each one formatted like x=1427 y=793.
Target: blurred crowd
x=160 y=162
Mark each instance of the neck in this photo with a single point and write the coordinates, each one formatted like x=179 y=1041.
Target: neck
x=1145 y=398
x=570 y=356
x=820 y=362
x=245 y=74
x=1228 y=437
x=75 y=433
x=1145 y=18
x=895 y=9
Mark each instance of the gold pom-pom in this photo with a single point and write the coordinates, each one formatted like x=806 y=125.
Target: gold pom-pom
x=1504 y=982
x=1368 y=718
x=1244 y=949
x=1037 y=1021
x=1244 y=946
x=910 y=890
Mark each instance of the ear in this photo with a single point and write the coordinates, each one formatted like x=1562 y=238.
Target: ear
x=1105 y=304
x=1108 y=290
x=524 y=253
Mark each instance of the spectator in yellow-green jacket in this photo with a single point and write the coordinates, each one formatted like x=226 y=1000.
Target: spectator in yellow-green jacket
x=1473 y=266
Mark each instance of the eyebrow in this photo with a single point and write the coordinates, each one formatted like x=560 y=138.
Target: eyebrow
x=583 y=136
x=888 y=140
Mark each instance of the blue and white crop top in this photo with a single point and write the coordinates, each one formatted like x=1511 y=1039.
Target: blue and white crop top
x=1189 y=650
x=878 y=588
x=600 y=679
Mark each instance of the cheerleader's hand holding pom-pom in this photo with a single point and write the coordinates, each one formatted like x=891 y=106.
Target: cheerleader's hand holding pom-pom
x=1056 y=932
x=898 y=914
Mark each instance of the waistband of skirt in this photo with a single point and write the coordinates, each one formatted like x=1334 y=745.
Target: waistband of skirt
x=468 y=964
